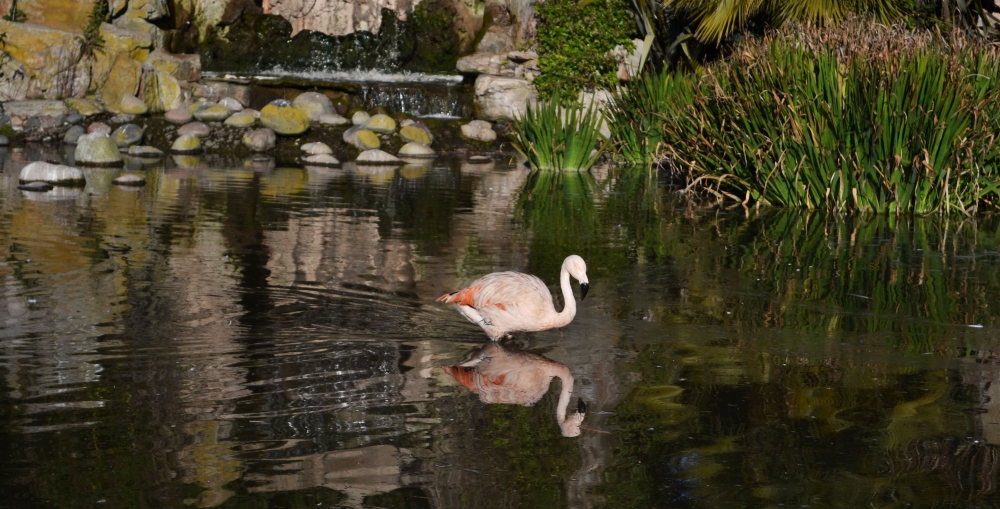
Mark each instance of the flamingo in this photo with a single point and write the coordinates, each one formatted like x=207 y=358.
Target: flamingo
x=505 y=302
x=499 y=375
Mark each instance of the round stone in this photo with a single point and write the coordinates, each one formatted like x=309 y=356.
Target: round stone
x=376 y=156
x=145 y=151
x=230 y=104
x=361 y=138
x=360 y=117
x=284 y=118
x=417 y=150
x=241 y=119
x=132 y=105
x=213 y=113
x=73 y=134
x=333 y=119
x=40 y=171
x=179 y=116
x=97 y=149
x=186 y=144
x=260 y=140
x=383 y=124
x=127 y=135
x=321 y=160
x=316 y=148
x=198 y=129
x=314 y=104
x=415 y=133
x=99 y=127
x=74 y=118
x=130 y=180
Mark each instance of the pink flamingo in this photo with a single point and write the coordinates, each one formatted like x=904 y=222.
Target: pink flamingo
x=499 y=375
x=505 y=302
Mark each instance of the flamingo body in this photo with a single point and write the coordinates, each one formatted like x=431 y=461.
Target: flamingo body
x=506 y=302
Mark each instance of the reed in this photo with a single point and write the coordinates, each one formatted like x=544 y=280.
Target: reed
x=899 y=128
x=552 y=135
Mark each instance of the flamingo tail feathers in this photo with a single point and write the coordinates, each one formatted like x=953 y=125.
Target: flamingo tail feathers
x=463 y=297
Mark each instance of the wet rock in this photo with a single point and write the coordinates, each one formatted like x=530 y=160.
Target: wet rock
x=4 y=141
x=132 y=105
x=381 y=123
x=502 y=98
x=314 y=104
x=199 y=129
x=33 y=123
x=162 y=92
x=376 y=156
x=179 y=116
x=479 y=130
x=284 y=118
x=73 y=134
x=481 y=63
x=127 y=135
x=212 y=113
x=86 y=106
x=129 y=179
x=123 y=80
x=241 y=119
x=361 y=138
x=74 y=118
x=416 y=150
x=97 y=149
x=145 y=151
x=36 y=187
x=99 y=127
x=333 y=119
x=231 y=104
x=186 y=144
x=521 y=57
x=495 y=40
x=360 y=117
x=260 y=140
x=416 y=133
x=25 y=109
x=321 y=160
x=40 y=171
x=316 y=148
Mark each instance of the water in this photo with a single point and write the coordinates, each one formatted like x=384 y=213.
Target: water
x=243 y=335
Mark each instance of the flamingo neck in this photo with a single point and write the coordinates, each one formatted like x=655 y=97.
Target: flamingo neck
x=565 y=316
x=564 y=396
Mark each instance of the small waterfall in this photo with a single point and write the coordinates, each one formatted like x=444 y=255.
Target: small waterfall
x=419 y=99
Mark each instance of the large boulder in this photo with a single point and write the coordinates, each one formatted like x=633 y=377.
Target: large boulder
x=314 y=104
x=97 y=149
x=284 y=118
x=162 y=92
x=502 y=98
x=48 y=58
x=118 y=41
x=361 y=138
x=123 y=80
x=40 y=171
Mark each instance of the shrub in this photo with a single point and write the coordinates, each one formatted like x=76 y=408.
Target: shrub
x=552 y=136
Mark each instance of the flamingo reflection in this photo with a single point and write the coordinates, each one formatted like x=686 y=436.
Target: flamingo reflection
x=501 y=375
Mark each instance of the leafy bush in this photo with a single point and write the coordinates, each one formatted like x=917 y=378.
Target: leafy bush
x=552 y=136
x=573 y=42
x=897 y=126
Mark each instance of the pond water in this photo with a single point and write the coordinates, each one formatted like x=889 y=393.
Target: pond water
x=244 y=335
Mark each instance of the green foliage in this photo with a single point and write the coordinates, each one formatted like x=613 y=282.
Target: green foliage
x=93 y=42
x=899 y=129
x=552 y=136
x=8 y=131
x=636 y=118
x=573 y=42
x=14 y=14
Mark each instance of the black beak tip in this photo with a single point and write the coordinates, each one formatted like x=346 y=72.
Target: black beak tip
x=583 y=290
x=581 y=407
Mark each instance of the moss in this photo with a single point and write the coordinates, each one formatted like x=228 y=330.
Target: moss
x=12 y=135
x=437 y=43
x=240 y=50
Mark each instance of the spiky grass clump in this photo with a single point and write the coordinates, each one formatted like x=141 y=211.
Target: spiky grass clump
x=552 y=136
x=636 y=118
x=883 y=129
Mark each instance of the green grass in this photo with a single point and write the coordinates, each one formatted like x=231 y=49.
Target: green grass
x=552 y=136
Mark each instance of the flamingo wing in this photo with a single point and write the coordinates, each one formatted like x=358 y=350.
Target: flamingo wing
x=502 y=293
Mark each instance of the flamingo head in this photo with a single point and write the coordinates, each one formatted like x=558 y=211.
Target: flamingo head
x=570 y=426
x=578 y=269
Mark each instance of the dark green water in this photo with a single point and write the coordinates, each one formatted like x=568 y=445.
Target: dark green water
x=254 y=336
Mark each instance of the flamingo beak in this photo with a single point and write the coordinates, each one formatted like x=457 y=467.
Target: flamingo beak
x=583 y=290
x=581 y=407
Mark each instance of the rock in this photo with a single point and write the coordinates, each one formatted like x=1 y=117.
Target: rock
x=213 y=113
x=284 y=118
x=481 y=63
x=179 y=116
x=480 y=159
x=415 y=150
x=123 y=80
x=321 y=160
x=4 y=141
x=314 y=104
x=99 y=127
x=74 y=118
x=522 y=56
x=495 y=40
x=97 y=149
x=186 y=144
x=162 y=92
x=198 y=129
x=141 y=25
x=260 y=140
x=333 y=119
x=231 y=104
x=86 y=106
x=316 y=148
x=26 y=109
x=360 y=117
x=36 y=187
x=478 y=130
x=145 y=151
x=361 y=138
x=200 y=104
x=49 y=57
x=32 y=123
x=127 y=135
x=417 y=133
x=129 y=179
x=383 y=124
x=181 y=67
x=241 y=119
x=73 y=134
x=376 y=156
x=502 y=98
x=40 y=171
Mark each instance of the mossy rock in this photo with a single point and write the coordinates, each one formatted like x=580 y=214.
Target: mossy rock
x=413 y=133
x=436 y=41
x=284 y=118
